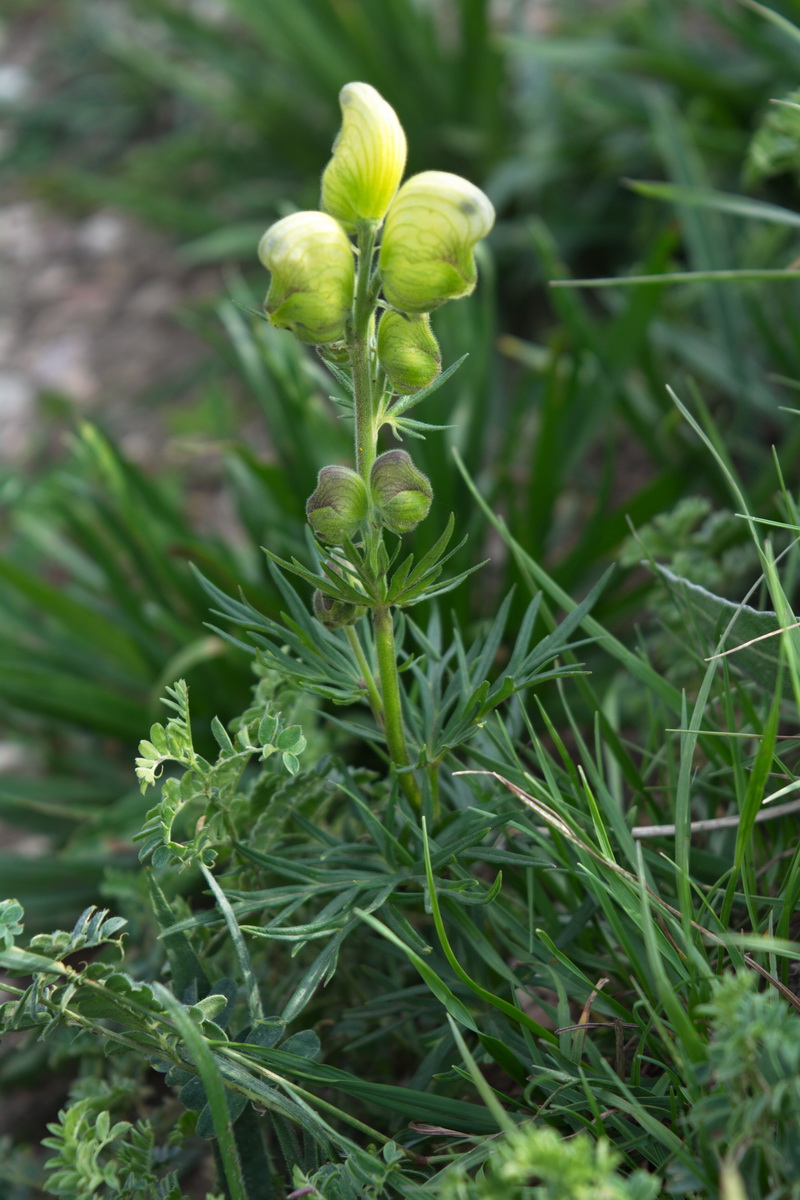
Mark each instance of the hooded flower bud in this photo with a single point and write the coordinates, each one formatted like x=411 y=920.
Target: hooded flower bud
x=402 y=494
x=313 y=276
x=369 y=157
x=408 y=351
x=428 y=241
x=338 y=505
x=332 y=613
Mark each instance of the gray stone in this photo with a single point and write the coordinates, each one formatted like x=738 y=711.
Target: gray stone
x=17 y=406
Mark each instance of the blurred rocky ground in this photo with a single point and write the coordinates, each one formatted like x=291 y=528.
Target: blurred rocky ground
x=89 y=315
x=92 y=324
x=91 y=302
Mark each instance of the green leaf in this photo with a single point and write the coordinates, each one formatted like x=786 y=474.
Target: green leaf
x=184 y=964
x=745 y=275
x=441 y=991
x=292 y=739
x=267 y=729
x=725 y=202
x=11 y=917
x=290 y=762
x=789 y=30
x=536 y=575
x=739 y=625
x=21 y=962
x=48 y=691
x=415 y=429
x=403 y=404
x=410 y=1102
x=509 y=1010
x=220 y=735
x=236 y=1106
x=306 y=1044
x=482 y=1087
x=776 y=147
x=82 y=620
x=331 y=583
x=254 y=1006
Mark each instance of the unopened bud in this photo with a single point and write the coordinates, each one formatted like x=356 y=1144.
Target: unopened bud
x=313 y=276
x=401 y=493
x=408 y=351
x=427 y=249
x=332 y=613
x=369 y=157
x=335 y=352
x=338 y=506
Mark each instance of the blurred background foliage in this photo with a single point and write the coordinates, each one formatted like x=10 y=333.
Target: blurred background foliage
x=211 y=119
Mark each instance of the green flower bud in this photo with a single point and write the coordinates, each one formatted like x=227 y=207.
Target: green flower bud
x=332 y=613
x=408 y=351
x=402 y=494
x=313 y=276
x=428 y=241
x=369 y=157
x=335 y=352
x=338 y=506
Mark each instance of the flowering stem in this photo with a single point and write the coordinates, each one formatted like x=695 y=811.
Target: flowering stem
x=392 y=711
x=365 y=430
x=386 y=703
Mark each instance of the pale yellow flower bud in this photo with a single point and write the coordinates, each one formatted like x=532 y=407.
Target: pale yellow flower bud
x=313 y=276
x=369 y=157
x=428 y=241
x=408 y=351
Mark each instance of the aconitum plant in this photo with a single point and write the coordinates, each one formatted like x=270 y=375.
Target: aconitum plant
x=359 y=280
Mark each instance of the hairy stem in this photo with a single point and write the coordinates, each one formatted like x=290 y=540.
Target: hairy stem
x=392 y=708
x=366 y=674
x=365 y=431
x=385 y=695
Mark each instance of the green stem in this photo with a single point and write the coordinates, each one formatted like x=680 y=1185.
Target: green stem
x=385 y=702
x=392 y=708
x=366 y=674
x=366 y=435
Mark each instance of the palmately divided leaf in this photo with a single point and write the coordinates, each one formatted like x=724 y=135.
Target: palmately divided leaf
x=760 y=656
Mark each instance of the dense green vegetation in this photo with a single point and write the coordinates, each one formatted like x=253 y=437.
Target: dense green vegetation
x=571 y=972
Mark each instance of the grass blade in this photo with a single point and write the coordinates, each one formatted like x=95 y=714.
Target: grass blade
x=203 y=1059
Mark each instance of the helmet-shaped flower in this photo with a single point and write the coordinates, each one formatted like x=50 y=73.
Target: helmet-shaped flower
x=369 y=157
x=408 y=351
x=313 y=276
x=338 y=505
x=401 y=493
x=427 y=249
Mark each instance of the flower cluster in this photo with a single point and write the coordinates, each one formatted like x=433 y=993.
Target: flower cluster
x=425 y=230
